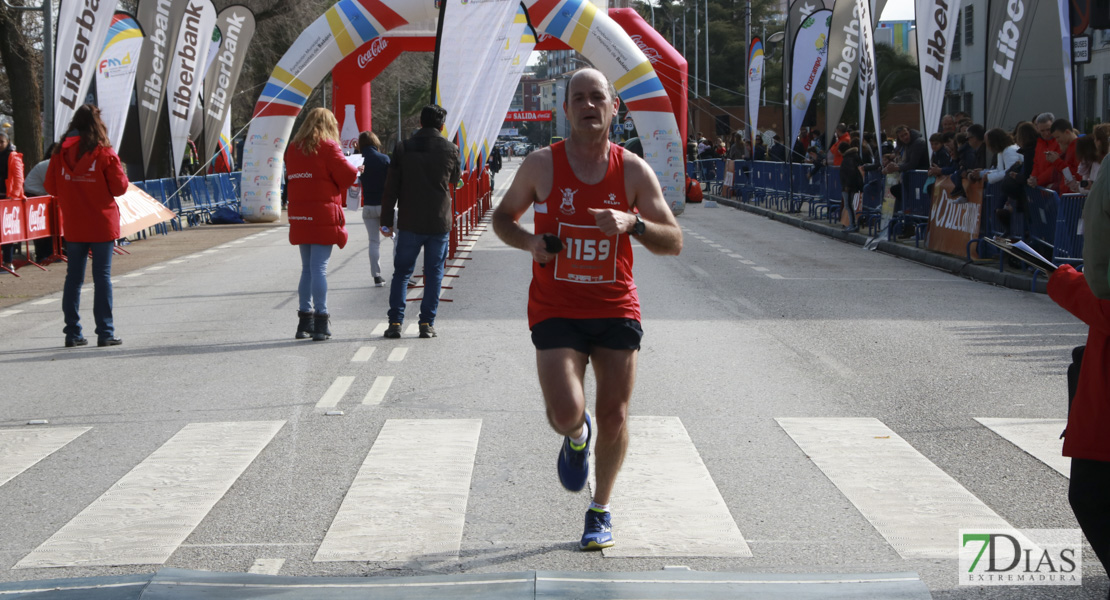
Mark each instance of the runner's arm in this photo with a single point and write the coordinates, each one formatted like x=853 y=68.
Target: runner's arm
x=518 y=198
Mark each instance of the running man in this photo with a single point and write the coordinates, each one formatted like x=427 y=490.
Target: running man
x=582 y=303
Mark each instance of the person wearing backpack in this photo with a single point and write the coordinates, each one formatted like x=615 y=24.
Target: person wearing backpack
x=85 y=176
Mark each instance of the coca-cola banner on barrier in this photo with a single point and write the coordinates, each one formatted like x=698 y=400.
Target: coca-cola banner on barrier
x=115 y=74
x=183 y=82
x=82 y=27
x=755 y=81
x=237 y=25
x=811 y=52
x=11 y=221
x=39 y=217
x=160 y=20
x=843 y=61
x=936 y=21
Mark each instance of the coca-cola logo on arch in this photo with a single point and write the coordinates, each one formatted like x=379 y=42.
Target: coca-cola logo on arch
x=376 y=47
x=651 y=53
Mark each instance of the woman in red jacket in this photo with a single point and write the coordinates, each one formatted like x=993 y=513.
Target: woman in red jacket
x=85 y=176
x=318 y=177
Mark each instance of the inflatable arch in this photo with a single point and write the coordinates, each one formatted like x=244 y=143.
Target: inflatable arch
x=349 y=24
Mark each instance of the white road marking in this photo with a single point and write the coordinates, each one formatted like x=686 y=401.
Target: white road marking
x=915 y=505
x=335 y=392
x=714 y=244
x=747 y=262
x=761 y=269
x=10 y=312
x=661 y=474
x=363 y=354
x=379 y=329
x=266 y=566
x=408 y=501
x=176 y=262
x=725 y=250
x=1040 y=438
x=398 y=354
x=775 y=276
x=699 y=270
x=148 y=513
x=45 y=301
x=378 y=389
x=735 y=256
x=135 y=274
x=20 y=449
x=412 y=329
x=155 y=268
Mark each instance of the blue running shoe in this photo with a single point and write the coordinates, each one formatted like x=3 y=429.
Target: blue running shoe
x=574 y=465
x=599 y=531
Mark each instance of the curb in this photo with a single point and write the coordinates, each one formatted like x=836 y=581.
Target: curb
x=945 y=262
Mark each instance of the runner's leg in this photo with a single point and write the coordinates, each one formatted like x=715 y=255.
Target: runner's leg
x=562 y=373
x=615 y=371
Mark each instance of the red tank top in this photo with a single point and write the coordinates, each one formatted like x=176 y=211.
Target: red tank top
x=592 y=277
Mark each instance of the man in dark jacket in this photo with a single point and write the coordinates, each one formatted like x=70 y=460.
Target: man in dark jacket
x=777 y=152
x=423 y=171
x=913 y=155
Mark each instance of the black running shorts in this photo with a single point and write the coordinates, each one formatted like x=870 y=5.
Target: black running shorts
x=583 y=334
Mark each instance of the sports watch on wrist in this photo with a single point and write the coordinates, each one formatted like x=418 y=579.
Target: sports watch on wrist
x=639 y=227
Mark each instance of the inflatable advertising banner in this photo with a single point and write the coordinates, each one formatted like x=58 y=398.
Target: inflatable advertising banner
x=236 y=23
x=755 y=82
x=82 y=28
x=349 y=24
x=115 y=74
x=183 y=82
x=811 y=51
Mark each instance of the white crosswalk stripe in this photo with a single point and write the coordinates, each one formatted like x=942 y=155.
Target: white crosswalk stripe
x=148 y=513
x=409 y=499
x=1038 y=437
x=20 y=449
x=915 y=505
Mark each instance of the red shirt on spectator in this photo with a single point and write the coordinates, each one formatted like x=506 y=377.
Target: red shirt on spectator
x=1044 y=171
x=837 y=158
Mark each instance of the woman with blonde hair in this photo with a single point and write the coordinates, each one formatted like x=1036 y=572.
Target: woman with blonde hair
x=85 y=176
x=318 y=177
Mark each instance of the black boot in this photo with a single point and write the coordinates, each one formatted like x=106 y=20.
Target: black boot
x=321 y=331
x=305 y=327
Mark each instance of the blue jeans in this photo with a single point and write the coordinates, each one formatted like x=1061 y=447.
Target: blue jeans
x=407 y=246
x=313 y=289
x=77 y=255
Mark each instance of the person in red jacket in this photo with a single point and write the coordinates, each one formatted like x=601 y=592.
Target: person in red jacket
x=1044 y=172
x=318 y=177
x=85 y=176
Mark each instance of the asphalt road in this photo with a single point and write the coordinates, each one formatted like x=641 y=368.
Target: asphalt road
x=756 y=334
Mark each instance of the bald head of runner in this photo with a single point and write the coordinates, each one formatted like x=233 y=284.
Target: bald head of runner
x=591 y=104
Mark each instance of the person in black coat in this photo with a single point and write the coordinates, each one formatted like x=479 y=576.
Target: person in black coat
x=852 y=168
x=777 y=152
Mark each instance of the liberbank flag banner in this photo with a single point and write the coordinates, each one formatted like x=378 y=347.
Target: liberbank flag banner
x=1025 y=74
x=843 y=61
x=82 y=28
x=473 y=32
x=868 y=78
x=236 y=22
x=349 y=24
x=160 y=20
x=936 y=21
x=877 y=7
x=196 y=124
x=184 y=79
x=755 y=81
x=811 y=51
x=115 y=74
x=512 y=56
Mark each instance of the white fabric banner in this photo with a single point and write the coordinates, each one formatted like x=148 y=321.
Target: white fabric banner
x=474 y=33
x=81 y=33
x=115 y=74
x=868 y=78
x=1065 y=39
x=755 y=82
x=936 y=22
x=185 y=77
x=514 y=46
x=810 y=55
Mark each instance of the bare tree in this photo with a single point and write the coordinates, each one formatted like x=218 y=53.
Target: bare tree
x=22 y=63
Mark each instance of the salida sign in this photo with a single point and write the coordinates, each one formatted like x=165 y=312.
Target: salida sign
x=528 y=115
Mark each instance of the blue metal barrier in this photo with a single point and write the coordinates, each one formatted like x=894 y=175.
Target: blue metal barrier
x=916 y=204
x=1043 y=204
x=1068 y=242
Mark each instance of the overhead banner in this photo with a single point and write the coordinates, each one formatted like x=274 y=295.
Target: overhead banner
x=183 y=81
x=1024 y=66
x=936 y=22
x=236 y=22
x=115 y=74
x=755 y=82
x=810 y=55
x=528 y=115
x=160 y=20
x=868 y=78
x=843 y=67
x=517 y=41
x=472 y=34
x=82 y=28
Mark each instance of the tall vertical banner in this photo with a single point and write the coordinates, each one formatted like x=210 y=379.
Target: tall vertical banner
x=868 y=78
x=1065 y=55
x=196 y=124
x=516 y=40
x=755 y=82
x=82 y=28
x=877 y=7
x=843 y=68
x=236 y=22
x=160 y=20
x=936 y=22
x=1024 y=74
x=473 y=32
x=799 y=11
x=115 y=74
x=811 y=51
x=184 y=79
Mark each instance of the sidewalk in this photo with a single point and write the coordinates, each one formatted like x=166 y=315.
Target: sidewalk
x=34 y=283
x=983 y=270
